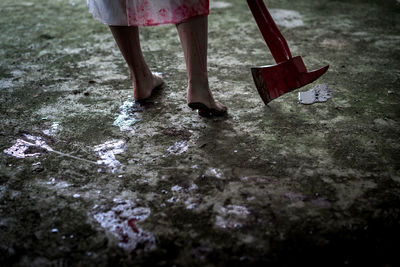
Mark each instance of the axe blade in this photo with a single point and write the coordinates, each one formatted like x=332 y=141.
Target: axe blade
x=274 y=81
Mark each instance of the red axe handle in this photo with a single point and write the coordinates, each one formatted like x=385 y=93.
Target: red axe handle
x=272 y=36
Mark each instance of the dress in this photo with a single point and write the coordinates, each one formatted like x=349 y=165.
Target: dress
x=146 y=12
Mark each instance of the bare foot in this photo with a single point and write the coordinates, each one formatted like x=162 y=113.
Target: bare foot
x=203 y=101
x=142 y=89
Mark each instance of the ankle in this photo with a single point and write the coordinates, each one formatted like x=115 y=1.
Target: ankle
x=198 y=85
x=141 y=79
x=140 y=73
x=202 y=95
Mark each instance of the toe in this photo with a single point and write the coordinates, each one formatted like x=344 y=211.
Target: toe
x=158 y=79
x=221 y=107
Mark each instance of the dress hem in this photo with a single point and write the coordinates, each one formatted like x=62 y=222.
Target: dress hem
x=160 y=23
x=99 y=13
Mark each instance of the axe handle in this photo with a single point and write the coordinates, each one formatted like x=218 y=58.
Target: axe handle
x=272 y=36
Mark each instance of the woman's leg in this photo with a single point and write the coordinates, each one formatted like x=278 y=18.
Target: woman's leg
x=143 y=81
x=193 y=36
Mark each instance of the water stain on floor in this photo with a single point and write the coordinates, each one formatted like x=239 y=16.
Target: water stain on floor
x=121 y=220
x=107 y=151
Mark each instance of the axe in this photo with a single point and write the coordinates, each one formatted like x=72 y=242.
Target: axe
x=289 y=73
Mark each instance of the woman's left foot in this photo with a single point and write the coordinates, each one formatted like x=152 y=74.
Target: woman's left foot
x=143 y=90
x=203 y=101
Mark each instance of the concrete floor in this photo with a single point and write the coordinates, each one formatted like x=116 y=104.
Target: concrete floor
x=88 y=177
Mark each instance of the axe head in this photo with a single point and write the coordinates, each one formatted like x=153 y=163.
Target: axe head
x=274 y=81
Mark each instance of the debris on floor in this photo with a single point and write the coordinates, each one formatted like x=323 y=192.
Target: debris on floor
x=320 y=93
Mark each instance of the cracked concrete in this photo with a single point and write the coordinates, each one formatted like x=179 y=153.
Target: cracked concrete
x=156 y=185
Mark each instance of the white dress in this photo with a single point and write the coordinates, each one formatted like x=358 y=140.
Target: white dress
x=146 y=12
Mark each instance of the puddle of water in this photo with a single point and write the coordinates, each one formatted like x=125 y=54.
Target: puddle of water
x=6 y=83
x=213 y=172
x=129 y=114
x=73 y=2
x=193 y=187
x=121 y=221
x=185 y=196
x=287 y=18
x=18 y=73
x=322 y=202
x=333 y=43
x=231 y=216
x=179 y=147
x=176 y=188
x=107 y=152
x=236 y=210
x=219 y=4
x=21 y=147
x=53 y=129
x=52 y=181
x=294 y=197
x=172 y=200
x=191 y=203
x=320 y=93
x=20 y=4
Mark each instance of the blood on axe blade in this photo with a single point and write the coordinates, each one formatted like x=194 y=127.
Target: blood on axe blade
x=289 y=73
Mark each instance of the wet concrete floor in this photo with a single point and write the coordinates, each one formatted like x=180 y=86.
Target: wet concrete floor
x=89 y=177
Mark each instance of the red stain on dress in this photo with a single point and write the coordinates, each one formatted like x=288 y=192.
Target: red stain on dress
x=123 y=3
x=155 y=12
x=162 y=12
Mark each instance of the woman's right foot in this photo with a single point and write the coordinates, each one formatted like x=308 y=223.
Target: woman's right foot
x=204 y=102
